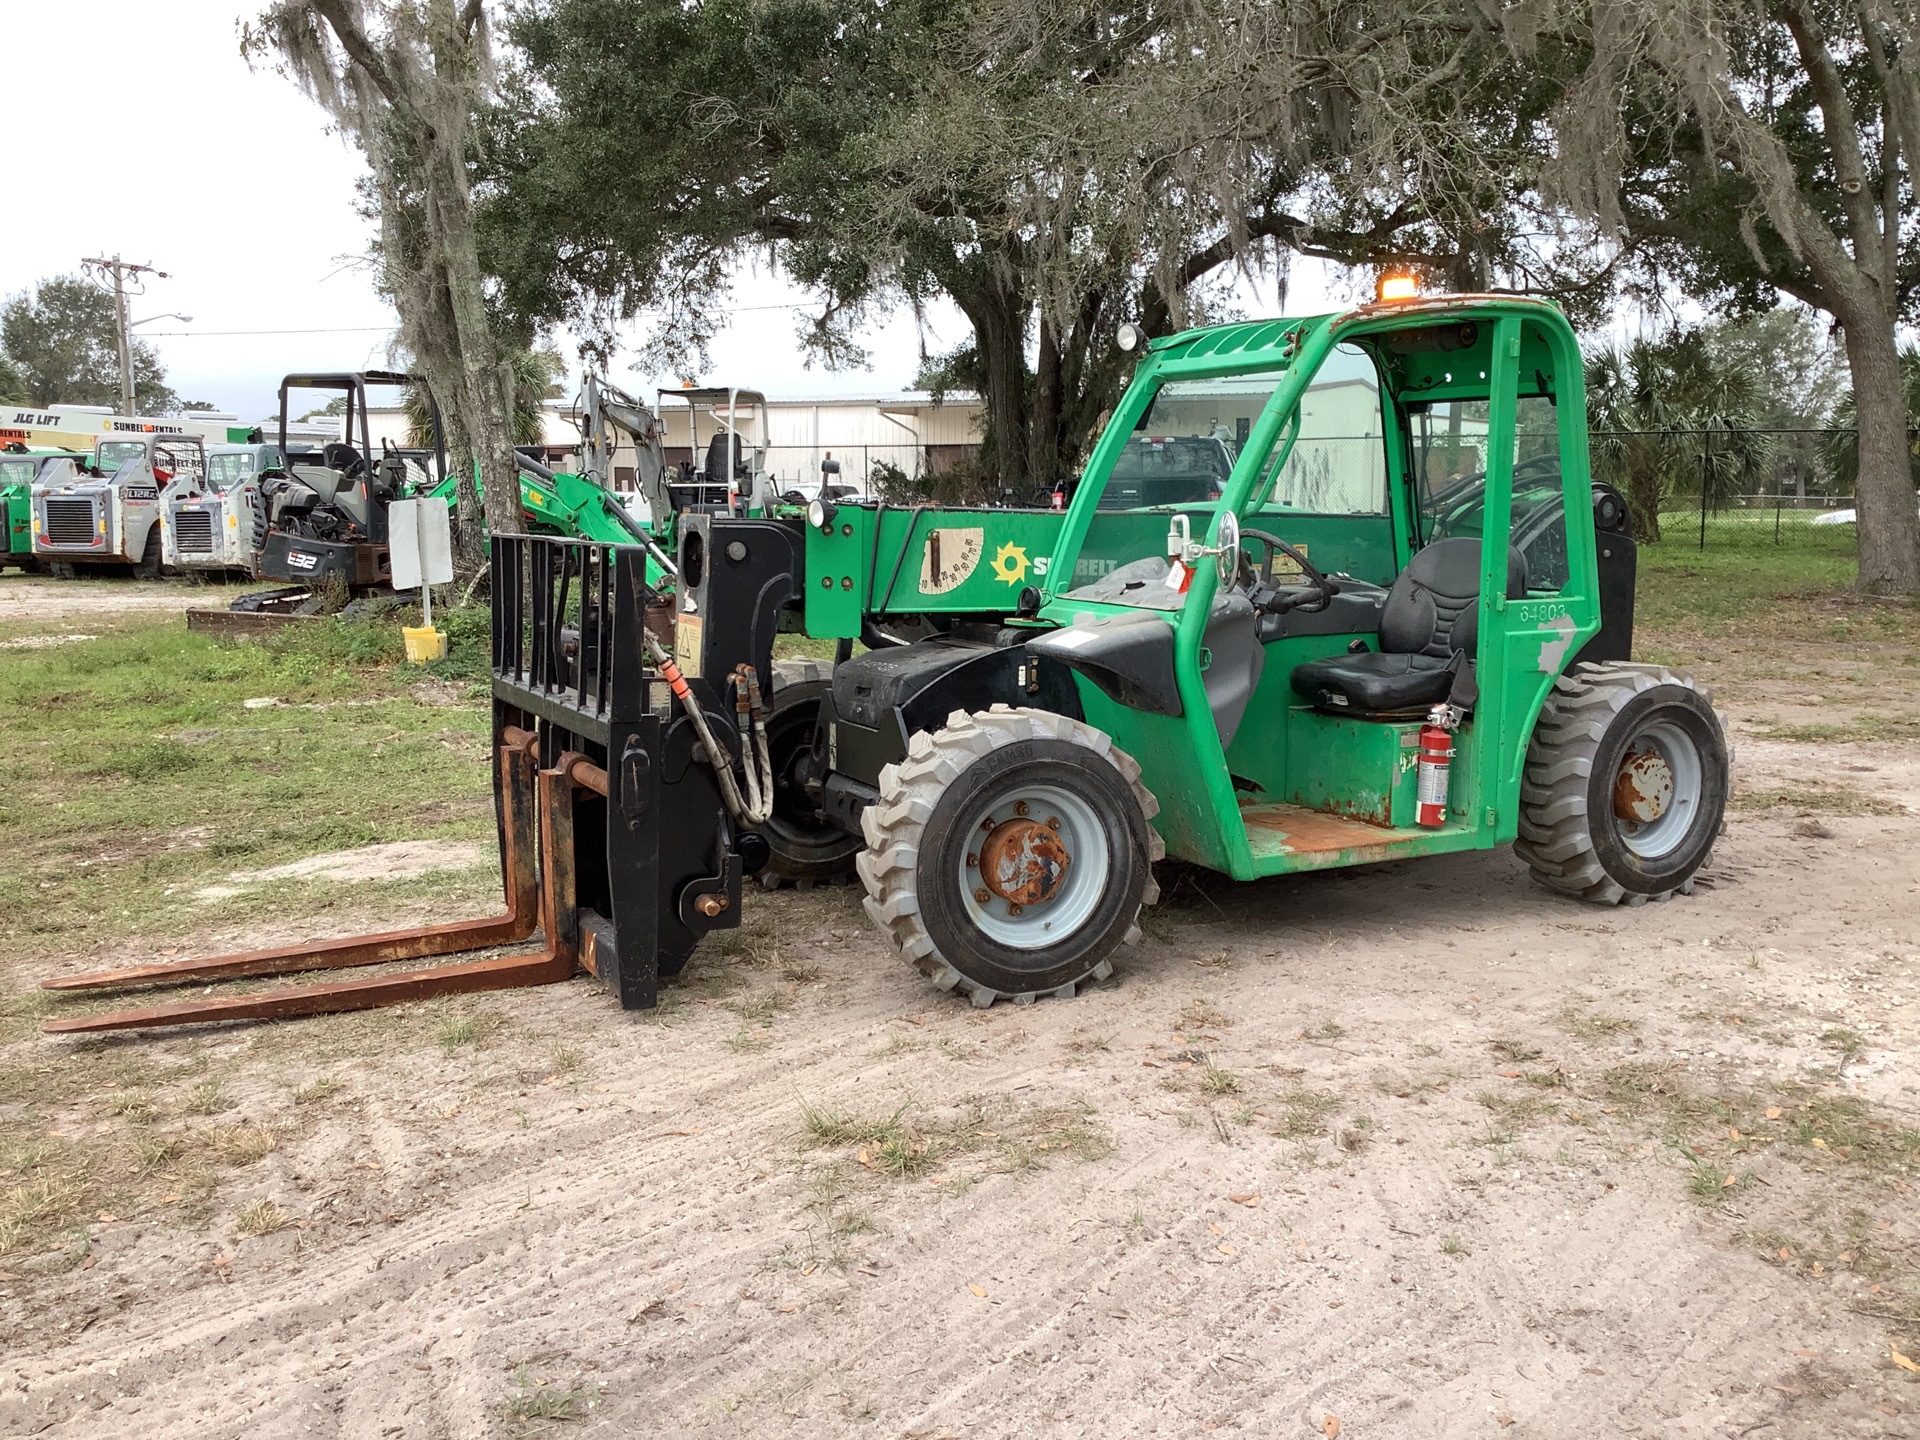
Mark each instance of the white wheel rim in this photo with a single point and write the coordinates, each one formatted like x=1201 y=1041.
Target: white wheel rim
x=1083 y=882
x=1670 y=749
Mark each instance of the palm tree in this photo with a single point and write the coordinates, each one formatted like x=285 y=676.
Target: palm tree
x=535 y=380
x=1663 y=416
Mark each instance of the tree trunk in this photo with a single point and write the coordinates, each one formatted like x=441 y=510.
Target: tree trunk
x=1644 y=484
x=1043 y=421
x=486 y=381
x=1884 y=494
x=999 y=314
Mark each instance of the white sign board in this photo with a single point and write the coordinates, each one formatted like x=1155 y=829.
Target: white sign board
x=420 y=534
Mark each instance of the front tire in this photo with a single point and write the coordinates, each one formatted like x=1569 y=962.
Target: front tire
x=1009 y=854
x=808 y=849
x=1625 y=784
x=148 y=565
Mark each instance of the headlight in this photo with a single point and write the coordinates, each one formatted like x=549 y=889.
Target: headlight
x=1130 y=337
x=820 y=513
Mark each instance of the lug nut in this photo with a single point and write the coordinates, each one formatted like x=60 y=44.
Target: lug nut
x=983 y=894
x=973 y=862
x=1019 y=807
x=1053 y=822
x=1012 y=909
x=987 y=824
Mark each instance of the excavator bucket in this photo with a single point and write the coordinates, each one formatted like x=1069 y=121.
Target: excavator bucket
x=615 y=836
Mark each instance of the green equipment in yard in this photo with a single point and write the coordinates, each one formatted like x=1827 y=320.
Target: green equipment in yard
x=20 y=465
x=1331 y=592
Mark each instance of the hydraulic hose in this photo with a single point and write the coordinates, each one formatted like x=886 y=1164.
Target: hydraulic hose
x=759 y=769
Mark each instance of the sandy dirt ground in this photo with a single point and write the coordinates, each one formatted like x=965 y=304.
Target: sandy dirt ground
x=1418 y=1150
x=43 y=603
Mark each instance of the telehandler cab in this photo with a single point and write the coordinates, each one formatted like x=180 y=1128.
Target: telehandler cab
x=1400 y=628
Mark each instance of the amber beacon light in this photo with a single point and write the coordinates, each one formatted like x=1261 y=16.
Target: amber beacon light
x=1397 y=287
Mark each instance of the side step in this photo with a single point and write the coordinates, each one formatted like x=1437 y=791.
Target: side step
x=525 y=793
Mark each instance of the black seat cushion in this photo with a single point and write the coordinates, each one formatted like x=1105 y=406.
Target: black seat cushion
x=1373 y=682
x=1432 y=611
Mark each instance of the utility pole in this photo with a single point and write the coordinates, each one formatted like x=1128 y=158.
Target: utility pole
x=120 y=270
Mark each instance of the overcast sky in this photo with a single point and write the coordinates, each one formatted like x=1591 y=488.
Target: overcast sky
x=156 y=141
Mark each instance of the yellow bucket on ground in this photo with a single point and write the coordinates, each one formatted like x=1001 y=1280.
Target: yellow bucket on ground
x=424 y=643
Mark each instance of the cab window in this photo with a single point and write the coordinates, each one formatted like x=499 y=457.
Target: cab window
x=112 y=454
x=1176 y=462
x=1450 y=473
x=179 y=459
x=1331 y=457
x=226 y=471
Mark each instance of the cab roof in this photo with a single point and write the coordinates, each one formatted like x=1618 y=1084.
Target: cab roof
x=1249 y=336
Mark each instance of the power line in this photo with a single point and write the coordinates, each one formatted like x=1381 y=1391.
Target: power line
x=328 y=330
x=387 y=329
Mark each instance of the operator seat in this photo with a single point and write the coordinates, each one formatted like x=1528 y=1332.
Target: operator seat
x=720 y=469
x=344 y=458
x=1432 y=613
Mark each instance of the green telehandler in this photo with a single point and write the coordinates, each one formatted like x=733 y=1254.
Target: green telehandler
x=1398 y=625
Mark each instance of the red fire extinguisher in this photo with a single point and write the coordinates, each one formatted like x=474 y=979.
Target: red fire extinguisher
x=1435 y=769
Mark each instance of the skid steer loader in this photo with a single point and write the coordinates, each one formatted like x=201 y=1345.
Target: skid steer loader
x=106 y=511
x=1402 y=628
x=217 y=520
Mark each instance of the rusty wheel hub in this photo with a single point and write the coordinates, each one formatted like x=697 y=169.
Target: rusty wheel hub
x=1036 y=865
x=1024 y=861
x=1643 y=790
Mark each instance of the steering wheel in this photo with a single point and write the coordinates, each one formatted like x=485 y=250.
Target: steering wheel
x=1324 y=587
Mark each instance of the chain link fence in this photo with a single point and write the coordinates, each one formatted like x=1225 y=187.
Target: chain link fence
x=1726 y=486
x=1735 y=487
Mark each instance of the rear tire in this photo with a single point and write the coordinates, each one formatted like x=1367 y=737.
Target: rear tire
x=1066 y=814
x=1625 y=784
x=808 y=848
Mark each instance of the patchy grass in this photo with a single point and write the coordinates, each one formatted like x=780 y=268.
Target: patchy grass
x=261 y=1217
x=534 y=1400
x=1216 y=1081
x=1595 y=1025
x=1747 y=616
x=1519 y=1109
x=243 y=1144
x=314 y=1091
x=1304 y=1113
x=903 y=1145
x=1811 y=798
x=466 y=1029
x=1200 y=1015
x=1866 y=728
x=187 y=785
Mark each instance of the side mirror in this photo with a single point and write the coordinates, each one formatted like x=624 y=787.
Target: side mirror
x=1227 y=556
